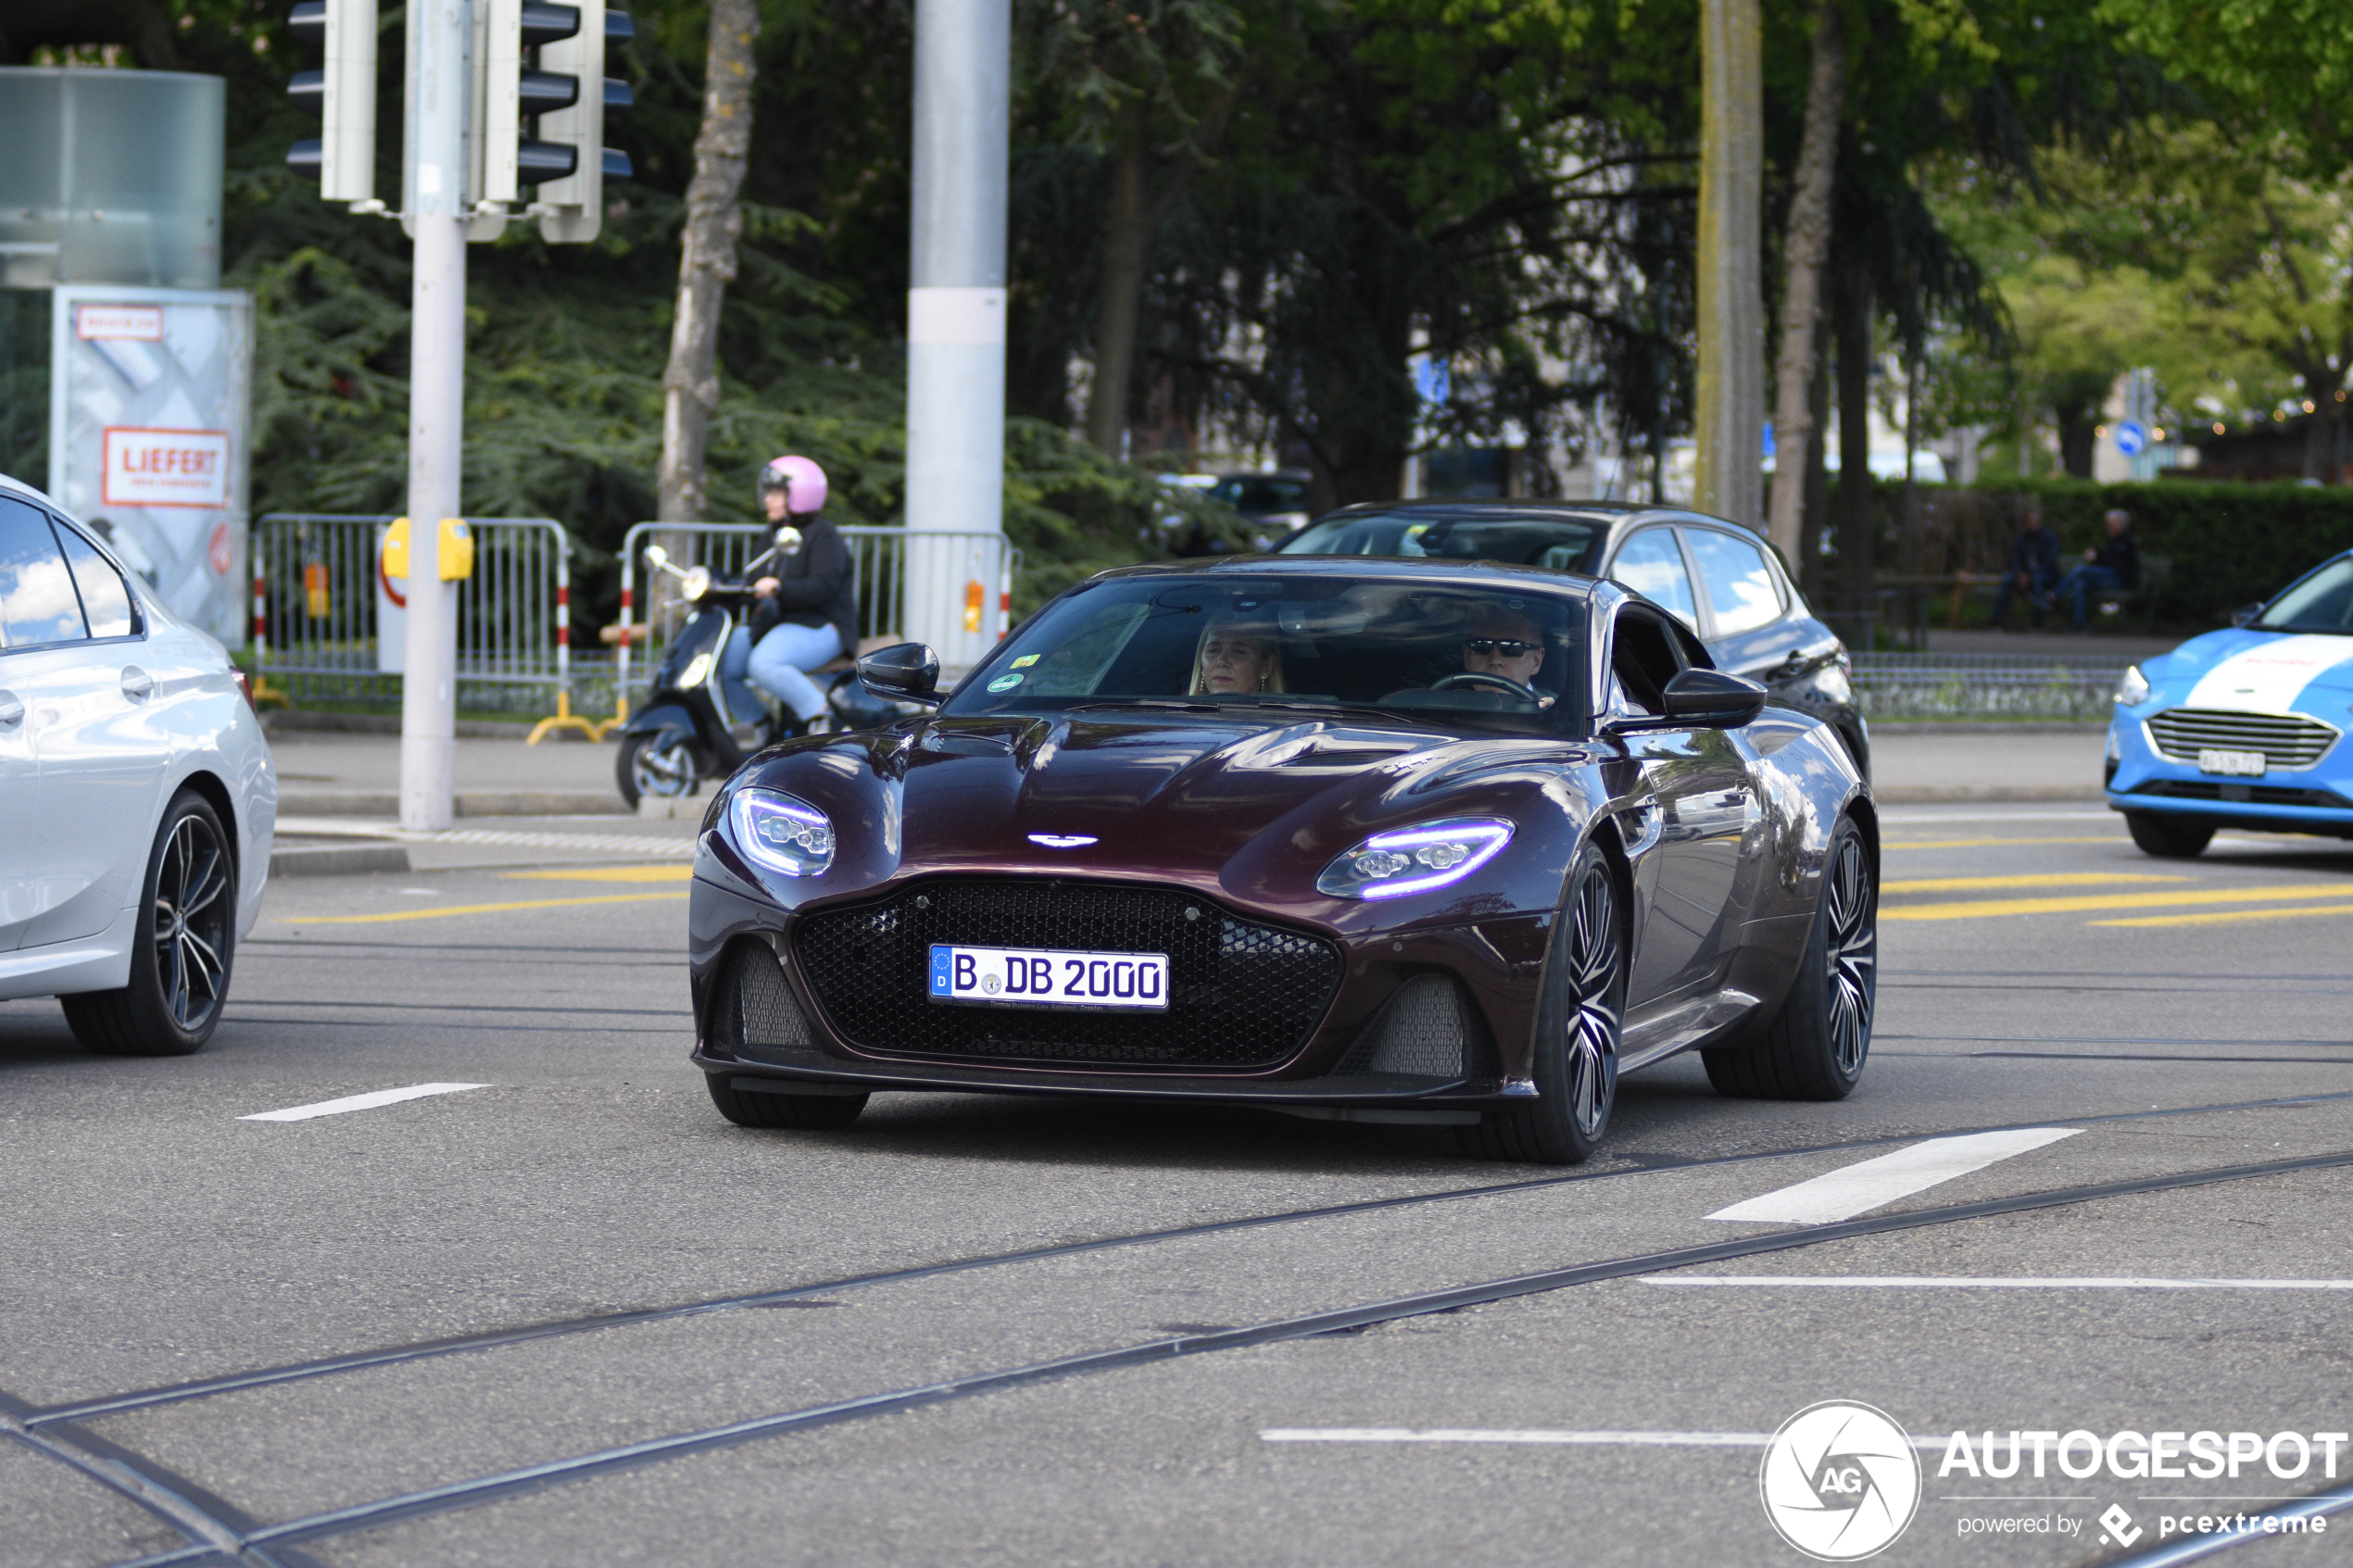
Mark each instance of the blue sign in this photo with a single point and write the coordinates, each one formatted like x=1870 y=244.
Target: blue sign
x=1432 y=380
x=2131 y=438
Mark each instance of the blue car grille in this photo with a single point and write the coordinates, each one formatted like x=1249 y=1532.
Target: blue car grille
x=2287 y=740
x=1242 y=995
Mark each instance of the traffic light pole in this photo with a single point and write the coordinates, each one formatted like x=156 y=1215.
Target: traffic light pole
x=956 y=320
x=439 y=84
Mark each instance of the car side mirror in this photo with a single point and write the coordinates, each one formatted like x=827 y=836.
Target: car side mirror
x=902 y=672
x=1712 y=700
x=2245 y=613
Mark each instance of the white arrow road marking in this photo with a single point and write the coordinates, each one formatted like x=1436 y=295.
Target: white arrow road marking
x=359 y=1102
x=1843 y=1194
x=1995 y=1282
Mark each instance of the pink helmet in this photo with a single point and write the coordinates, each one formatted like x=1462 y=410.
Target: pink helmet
x=802 y=482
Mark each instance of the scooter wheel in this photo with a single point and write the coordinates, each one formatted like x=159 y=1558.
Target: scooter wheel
x=643 y=768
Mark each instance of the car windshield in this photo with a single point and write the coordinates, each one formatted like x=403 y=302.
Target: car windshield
x=1547 y=539
x=2323 y=602
x=1499 y=658
x=1253 y=494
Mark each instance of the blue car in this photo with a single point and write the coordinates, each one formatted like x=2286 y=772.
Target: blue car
x=2242 y=727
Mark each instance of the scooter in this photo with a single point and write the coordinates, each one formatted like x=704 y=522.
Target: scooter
x=687 y=732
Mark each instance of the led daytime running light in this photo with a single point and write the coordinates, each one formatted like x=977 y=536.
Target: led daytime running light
x=783 y=835
x=1414 y=860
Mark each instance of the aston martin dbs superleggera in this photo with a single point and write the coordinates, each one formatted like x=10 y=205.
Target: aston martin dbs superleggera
x=1373 y=840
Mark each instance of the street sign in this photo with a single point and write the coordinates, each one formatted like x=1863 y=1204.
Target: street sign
x=2131 y=437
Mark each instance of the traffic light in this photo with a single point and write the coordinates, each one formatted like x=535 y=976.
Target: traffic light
x=343 y=158
x=542 y=99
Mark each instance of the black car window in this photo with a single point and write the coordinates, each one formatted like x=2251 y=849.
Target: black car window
x=105 y=600
x=1652 y=565
x=37 y=601
x=1498 y=655
x=1644 y=659
x=1252 y=494
x=2323 y=602
x=1741 y=594
x=1564 y=543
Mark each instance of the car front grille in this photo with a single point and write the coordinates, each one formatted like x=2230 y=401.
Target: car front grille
x=2287 y=740
x=1242 y=994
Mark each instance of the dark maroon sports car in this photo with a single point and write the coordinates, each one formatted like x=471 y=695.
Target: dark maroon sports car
x=1375 y=840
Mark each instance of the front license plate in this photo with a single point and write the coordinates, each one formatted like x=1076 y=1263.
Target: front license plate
x=2245 y=764
x=1044 y=977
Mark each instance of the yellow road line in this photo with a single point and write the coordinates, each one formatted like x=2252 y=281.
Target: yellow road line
x=473 y=910
x=608 y=873
x=2038 y=879
x=1985 y=843
x=2219 y=916
x=1977 y=908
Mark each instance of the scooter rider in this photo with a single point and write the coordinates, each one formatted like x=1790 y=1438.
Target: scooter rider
x=806 y=612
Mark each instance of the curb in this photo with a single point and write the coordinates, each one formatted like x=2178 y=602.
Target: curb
x=385 y=724
x=337 y=859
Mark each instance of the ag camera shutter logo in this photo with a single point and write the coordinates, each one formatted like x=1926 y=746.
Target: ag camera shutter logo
x=1840 y=1481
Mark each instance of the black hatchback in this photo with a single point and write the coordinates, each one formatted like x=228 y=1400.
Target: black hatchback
x=1720 y=578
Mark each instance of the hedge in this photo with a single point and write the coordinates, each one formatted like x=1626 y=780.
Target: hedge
x=2230 y=543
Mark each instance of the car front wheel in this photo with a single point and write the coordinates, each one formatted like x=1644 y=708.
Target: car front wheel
x=1576 y=1031
x=183 y=945
x=1815 y=1048
x=2174 y=838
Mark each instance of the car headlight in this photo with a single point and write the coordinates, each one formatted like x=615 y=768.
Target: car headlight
x=695 y=585
x=781 y=833
x=1415 y=860
x=697 y=669
x=2134 y=689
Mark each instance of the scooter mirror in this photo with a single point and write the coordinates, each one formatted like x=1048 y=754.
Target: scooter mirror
x=656 y=556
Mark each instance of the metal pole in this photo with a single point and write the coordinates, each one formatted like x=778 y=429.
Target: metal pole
x=956 y=319
x=439 y=34
x=1731 y=382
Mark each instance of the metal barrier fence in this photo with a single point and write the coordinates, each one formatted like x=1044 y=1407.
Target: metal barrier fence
x=879 y=570
x=1984 y=686
x=324 y=612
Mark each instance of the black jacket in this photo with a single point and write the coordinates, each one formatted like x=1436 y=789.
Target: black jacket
x=2035 y=550
x=2123 y=556
x=814 y=585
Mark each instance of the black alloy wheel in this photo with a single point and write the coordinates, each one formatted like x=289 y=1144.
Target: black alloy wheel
x=1817 y=1045
x=1578 y=1027
x=2171 y=838
x=180 y=965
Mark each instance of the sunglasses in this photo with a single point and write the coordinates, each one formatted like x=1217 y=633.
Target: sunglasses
x=1510 y=647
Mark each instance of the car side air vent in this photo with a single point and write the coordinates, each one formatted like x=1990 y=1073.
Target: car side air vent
x=755 y=1015
x=1429 y=1029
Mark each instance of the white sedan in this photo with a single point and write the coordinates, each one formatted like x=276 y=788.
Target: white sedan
x=137 y=797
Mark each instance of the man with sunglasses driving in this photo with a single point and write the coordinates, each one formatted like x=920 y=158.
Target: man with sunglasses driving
x=1505 y=642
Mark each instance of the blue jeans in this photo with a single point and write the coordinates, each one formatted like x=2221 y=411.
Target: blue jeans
x=776 y=664
x=2078 y=586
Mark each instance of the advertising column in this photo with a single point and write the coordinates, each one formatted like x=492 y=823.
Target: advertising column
x=150 y=397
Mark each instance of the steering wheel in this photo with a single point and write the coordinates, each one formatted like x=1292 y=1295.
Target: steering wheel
x=1481 y=678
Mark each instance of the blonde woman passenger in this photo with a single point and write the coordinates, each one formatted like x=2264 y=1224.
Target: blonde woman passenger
x=1236 y=657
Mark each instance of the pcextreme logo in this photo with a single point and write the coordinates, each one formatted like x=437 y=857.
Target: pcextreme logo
x=1840 y=1481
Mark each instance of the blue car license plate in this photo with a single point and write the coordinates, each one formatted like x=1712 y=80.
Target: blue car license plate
x=1044 y=977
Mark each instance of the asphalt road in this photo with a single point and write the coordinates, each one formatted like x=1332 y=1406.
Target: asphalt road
x=2175 y=1031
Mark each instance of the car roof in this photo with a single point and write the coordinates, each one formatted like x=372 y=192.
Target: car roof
x=1435 y=571
x=1507 y=506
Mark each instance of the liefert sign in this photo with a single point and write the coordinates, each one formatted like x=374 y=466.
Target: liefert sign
x=149 y=394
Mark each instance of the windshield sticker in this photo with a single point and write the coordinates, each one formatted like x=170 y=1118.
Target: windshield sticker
x=1005 y=682
x=1024 y=661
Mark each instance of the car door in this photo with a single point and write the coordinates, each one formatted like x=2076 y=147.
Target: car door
x=98 y=755
x=1688 y=826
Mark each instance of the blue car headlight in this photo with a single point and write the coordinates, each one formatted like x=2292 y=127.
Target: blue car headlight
x=779 y=833
x=1415 y=860
x=2134 y=689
